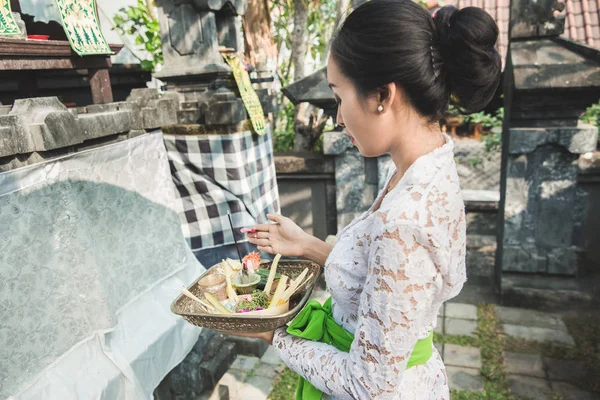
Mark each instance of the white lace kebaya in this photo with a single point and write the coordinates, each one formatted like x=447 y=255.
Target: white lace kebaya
x=389 y=273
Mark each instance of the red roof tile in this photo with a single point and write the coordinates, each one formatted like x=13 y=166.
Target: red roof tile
x=582 y=19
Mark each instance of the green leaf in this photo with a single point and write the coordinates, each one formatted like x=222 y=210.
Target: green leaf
x=147 y=65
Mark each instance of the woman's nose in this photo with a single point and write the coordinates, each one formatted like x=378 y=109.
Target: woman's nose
x=338 y=118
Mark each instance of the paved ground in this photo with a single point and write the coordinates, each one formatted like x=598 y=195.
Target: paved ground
x=530 y=376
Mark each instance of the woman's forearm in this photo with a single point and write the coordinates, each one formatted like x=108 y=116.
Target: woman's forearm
x=316 y=250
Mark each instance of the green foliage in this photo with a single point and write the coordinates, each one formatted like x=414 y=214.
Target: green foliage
x=138 y=22
x=284 y=387
x=592 y=115
x=284 y=135
x=318 y=29
x=487 y=120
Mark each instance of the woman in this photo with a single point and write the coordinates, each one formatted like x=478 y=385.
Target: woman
x=393 y=70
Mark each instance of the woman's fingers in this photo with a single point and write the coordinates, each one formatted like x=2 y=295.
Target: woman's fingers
x=276 y=218
x=256 y=237
x=258 y=228
x=260 y=242
x=266 y=249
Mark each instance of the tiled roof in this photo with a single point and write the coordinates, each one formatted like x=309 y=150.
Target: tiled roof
x=581 y=19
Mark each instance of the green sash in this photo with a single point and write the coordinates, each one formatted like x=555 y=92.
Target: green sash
x=315 y=322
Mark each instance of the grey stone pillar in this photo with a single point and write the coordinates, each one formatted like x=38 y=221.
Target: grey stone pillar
x=193 y=31
x=544 y=208
x=549 y=81
x=356 y=178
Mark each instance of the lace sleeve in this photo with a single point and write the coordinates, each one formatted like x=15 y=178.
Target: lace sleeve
x=397 y=307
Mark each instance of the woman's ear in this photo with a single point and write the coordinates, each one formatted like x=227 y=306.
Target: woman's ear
x=386 y=95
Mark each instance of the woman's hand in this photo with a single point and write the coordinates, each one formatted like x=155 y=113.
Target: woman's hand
x=266 y=336
x=284 y=237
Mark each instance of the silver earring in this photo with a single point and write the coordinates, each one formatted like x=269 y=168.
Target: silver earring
x=380 y=108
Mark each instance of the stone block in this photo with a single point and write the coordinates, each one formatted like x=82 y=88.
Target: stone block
x=475 y=241
x=245 y=363
x=42 y=124
x=206 y=335
x=523 y=258
x=570 y=392
x=173 y=96
x=234 y=380
x=526 y=140
x=524 y=364
x=439 y=328
x=142 y=96
x=213 y=369
x=192 y=116
x=565 y=370
x=188 y=105
x=266 y=370
x=104 y=124
x=159 y=113
x=538 y=334
x=529 y=387
x=442 y=310
x=221 y=392
x=335 y=143
x=226 y=112
x=212 y=346
x=464 y=379
x=185 y=29
x=270 y=357
x=578 y=140
x=353 y=194
x=480 y=265
x=101 y=108
x=461 y=311
x=564 y=261
x=524 y=317
x=8 y=142
x=5 y=110
x=462 y=356
x=248 y=346
x=163 y=390
x=453 y=326
x=256 y=388
x=185 y=379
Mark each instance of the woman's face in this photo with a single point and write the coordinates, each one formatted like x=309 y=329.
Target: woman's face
x=369 y=129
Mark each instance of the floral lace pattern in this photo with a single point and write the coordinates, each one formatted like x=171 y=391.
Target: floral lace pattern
x=389 y=273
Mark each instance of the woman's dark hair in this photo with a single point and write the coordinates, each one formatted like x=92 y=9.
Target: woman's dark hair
x=434 y=59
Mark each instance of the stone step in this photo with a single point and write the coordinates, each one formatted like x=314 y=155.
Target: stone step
x=544 y=292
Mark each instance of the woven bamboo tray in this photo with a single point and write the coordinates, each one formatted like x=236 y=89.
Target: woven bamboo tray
x=187 y=308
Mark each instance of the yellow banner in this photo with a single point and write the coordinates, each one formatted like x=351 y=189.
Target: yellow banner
x=249 y=96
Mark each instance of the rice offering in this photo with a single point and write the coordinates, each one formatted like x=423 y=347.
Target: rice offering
x=253 y=290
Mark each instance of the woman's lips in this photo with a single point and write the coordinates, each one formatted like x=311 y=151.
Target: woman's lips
x=351 y=138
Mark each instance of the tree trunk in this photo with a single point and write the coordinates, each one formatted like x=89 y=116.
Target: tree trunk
x=299 y=45
x=302 y=127
x=308 y=125
x=151 y=9
x=342 y=8
x=260 y=49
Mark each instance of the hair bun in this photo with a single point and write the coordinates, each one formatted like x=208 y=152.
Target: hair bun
x=466 y=40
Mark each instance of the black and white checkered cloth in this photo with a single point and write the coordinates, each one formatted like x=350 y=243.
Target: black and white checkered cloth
x=217 y=173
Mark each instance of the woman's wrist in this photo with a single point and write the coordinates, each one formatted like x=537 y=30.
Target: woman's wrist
x=315 y=249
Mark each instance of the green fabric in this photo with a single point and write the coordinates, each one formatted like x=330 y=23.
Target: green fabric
x=80 y=23
x=8 y=24
x=315 y=322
